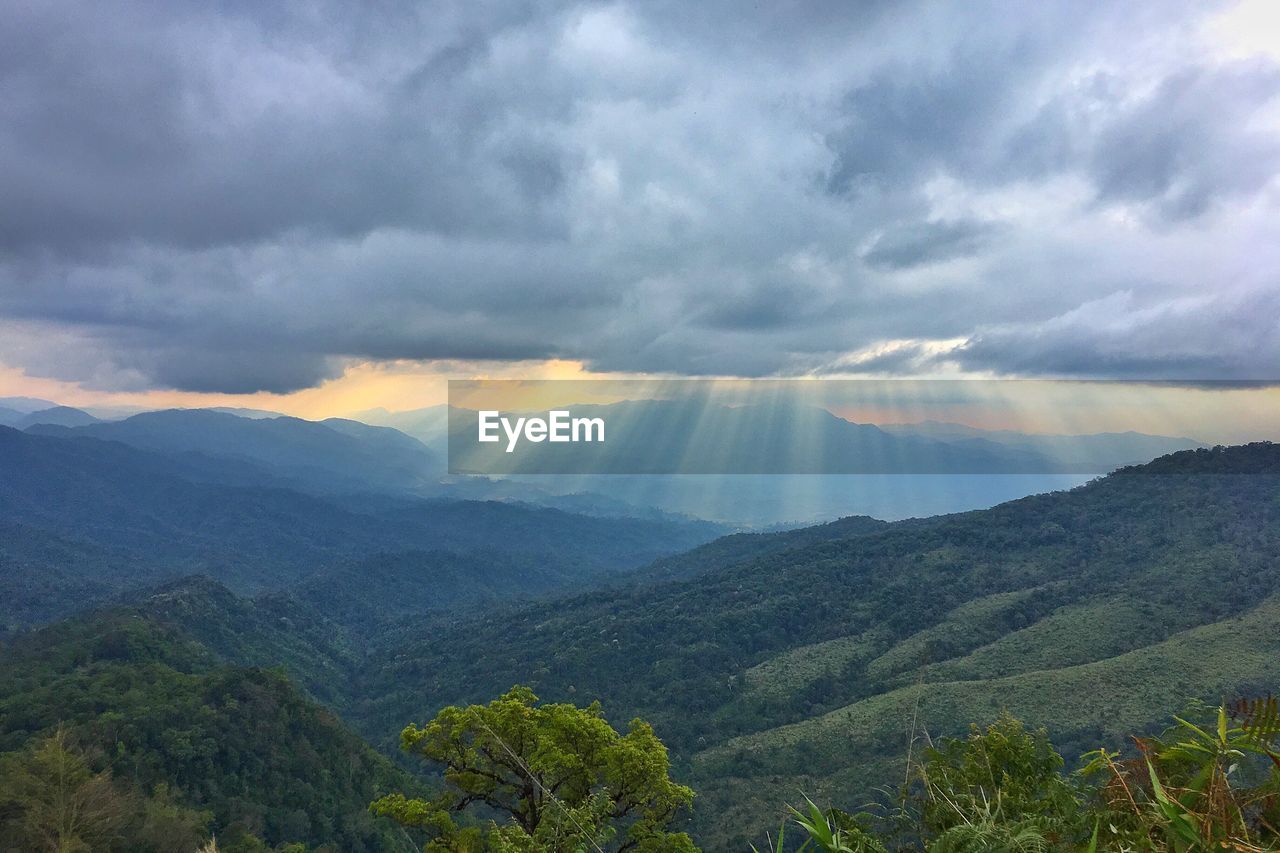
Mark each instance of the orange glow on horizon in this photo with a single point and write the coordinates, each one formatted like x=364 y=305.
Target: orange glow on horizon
x=395 y=386
x=1220 y=415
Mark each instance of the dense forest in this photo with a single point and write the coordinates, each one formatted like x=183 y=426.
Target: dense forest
x=837 y=662
x=169 y=744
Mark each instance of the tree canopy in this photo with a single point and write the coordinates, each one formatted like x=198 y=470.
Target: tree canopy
x=524 y=776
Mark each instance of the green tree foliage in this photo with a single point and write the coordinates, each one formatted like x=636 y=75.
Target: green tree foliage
x=555 y=777
x=1194 y=789
x=1003 y=780
x=52 y=799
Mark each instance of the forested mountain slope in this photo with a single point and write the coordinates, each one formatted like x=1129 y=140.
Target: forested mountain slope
x=85 y=519
x=743 y=547
x=148 y=697
x=1098 y=610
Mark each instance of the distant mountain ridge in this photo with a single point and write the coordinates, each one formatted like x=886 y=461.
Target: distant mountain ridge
x=327 y=456
x=57 y=416
x=26 y=405
x=377 y=459
x=86 y=518
x=1109 y=449
x=429 y=425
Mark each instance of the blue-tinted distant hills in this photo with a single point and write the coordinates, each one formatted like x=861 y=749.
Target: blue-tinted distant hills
x=25 y=405
x=83 y=518
x=764 y=500
x=56 y=416
x=325 y=457
x=243 y=412
x=956 y=467
x=889 y=472
x=429 y=425
x=334 y=457
x=1104 y=451
x=15 y=411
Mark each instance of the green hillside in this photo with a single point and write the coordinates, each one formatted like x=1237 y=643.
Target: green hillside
x=840 y=755
x=744 y=547
x=1099 y=611
x=156 y=713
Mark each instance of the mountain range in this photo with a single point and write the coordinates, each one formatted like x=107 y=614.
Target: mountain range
x=405 y=453
x=767 y=500
x=162 y=564
x=86 y=518
x=331 y=456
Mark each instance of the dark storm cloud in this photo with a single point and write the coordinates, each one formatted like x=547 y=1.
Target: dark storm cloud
x=1119 y=337
x=181 y=126
x=242 y=196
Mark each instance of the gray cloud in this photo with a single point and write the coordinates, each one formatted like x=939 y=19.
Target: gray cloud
x=1204 y=338
x=922 y=243
x=1190 y=143
x=243 y=196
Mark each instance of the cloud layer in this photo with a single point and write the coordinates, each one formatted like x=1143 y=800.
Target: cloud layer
x=241 y=196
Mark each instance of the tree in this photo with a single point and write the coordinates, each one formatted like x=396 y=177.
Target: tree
x=559 y=777
x=1003 y=783
x=165 y=824
x=57 y=803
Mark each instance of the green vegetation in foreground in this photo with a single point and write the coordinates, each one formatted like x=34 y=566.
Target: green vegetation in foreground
x=523 y=777
x=555 y=777
x=1194 y=789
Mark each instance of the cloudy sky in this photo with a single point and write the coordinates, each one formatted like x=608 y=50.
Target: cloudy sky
x=332 y=203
